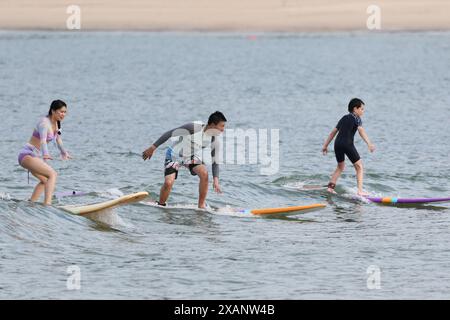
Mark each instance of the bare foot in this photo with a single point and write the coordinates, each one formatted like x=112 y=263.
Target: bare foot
x=205 y=206
x=362 y=194
x=331 y=191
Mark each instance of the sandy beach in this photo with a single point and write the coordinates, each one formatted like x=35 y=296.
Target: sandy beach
x=229 y=15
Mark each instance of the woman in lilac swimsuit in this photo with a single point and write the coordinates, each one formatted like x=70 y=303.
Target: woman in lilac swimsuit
x=34 y=155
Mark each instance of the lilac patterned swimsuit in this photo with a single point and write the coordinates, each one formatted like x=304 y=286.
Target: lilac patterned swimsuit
x=44 y=133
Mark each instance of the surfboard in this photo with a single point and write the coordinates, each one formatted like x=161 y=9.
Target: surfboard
x=94 y=207
x=281 y=211
x=262 y=212
x=175 y=206
x=392 y=200
x=381 y=200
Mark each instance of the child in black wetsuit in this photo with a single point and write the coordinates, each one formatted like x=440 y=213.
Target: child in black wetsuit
x=343 y=145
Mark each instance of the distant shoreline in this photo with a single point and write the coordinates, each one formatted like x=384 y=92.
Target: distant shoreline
x=224 y=32
x=242 y=16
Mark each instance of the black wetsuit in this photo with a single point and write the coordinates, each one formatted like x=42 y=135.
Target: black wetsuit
x=343 y=145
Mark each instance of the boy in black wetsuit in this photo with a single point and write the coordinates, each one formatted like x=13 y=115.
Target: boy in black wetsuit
x=343 y=145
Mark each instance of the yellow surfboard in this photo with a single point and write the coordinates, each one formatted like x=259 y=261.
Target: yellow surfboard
x=284 y=211
x=89 y=208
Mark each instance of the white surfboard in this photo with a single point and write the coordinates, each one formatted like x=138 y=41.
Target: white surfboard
x=89 y=208
x=262 y=212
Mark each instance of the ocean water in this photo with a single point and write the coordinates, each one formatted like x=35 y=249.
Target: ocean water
x=124 y=90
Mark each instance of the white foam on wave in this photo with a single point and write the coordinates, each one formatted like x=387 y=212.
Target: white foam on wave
x=303 y=185
x=108 y=217
x=230 y=211
x=294 y=185
x=352 y=194
x=111 y=193
x=173 y=206
x=5 y=196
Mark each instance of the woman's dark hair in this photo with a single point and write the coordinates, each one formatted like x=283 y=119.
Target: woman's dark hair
x=354 y=103
x=216 y=117
x=56 y=105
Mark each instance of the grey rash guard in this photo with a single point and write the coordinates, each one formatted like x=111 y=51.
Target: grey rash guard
x=190 y=129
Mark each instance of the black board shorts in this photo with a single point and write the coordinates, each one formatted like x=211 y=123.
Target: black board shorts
x=346 y=150
x=173 y=167
x=169 y=171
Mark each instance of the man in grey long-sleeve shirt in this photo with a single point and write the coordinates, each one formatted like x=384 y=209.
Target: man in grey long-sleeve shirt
x=187 y=151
